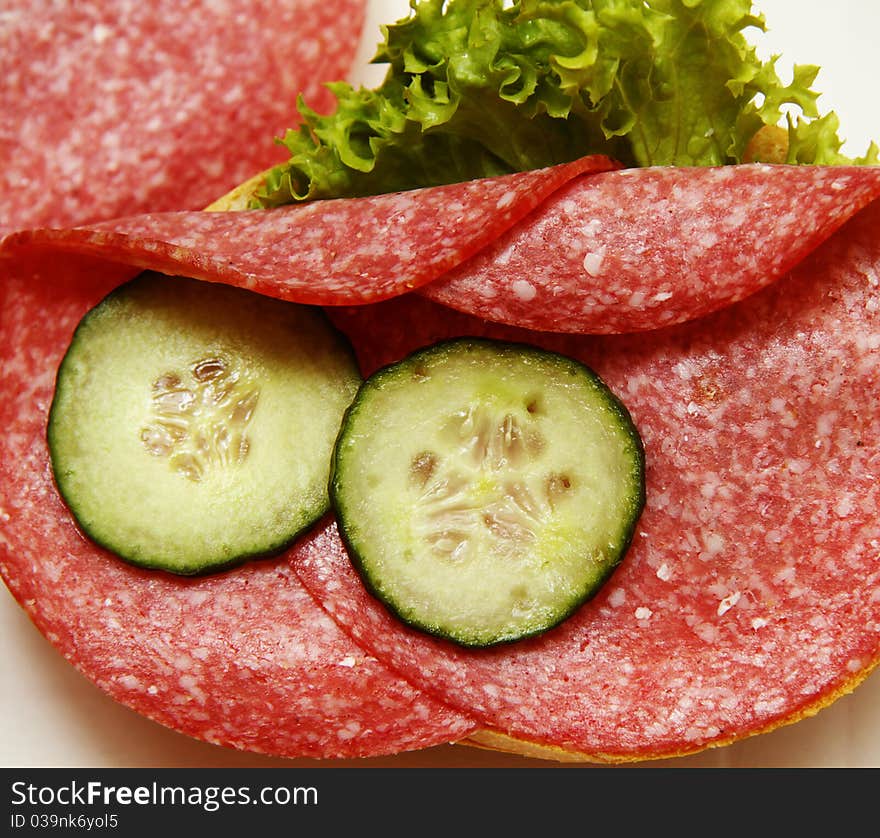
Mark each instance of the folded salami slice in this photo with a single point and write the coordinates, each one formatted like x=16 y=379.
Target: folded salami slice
x=245 y=658
x=645 y=248
x=751 y=595
x=619 y=251
x=343 y=251
x=112 y=108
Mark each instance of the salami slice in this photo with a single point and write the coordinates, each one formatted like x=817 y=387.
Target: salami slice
x=645 y=248
x=749 y=598
x=751 y=595
x=619 y=251
x=119 y=107
x=244 y=659
x=343 y=251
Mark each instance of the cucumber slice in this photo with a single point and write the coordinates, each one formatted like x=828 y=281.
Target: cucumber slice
x=485 y=489
x=193 y=423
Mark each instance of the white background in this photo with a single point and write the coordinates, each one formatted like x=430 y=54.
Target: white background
x=52 y=716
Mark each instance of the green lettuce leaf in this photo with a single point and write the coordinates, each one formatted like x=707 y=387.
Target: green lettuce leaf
x=478 y=88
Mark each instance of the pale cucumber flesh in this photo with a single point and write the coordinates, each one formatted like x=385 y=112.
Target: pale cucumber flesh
x=193 y=423
x=485 y=490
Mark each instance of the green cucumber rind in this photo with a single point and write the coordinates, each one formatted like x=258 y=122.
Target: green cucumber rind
x=628 y=528
x=309 y=518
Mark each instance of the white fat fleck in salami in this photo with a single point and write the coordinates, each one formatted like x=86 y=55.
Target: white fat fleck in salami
x=244 y=659
x=118 y=107
x=751 y=594
x=335 y=252
x=640 y=249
